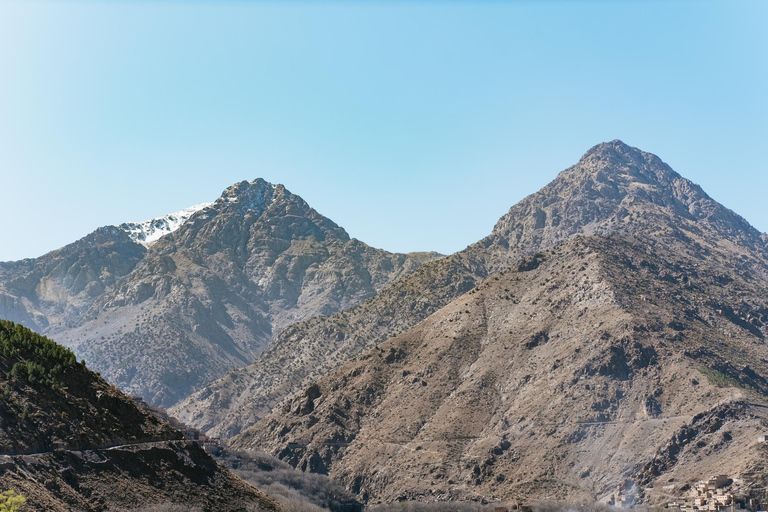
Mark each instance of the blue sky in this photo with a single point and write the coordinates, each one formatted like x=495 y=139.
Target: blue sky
x=414 y=125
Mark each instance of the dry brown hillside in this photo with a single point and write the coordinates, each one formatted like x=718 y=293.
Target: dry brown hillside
x=601 y=362
x=613 y=189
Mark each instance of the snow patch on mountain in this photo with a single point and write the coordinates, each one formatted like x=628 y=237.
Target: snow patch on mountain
x=148 y=232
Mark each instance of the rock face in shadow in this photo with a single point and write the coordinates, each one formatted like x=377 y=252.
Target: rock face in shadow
x=608 y=360
x=203 y=299
x=614 y=189
x=70 y=441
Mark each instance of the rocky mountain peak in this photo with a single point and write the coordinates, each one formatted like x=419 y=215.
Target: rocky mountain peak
x=254 y=195
x=252 y=210
x=617 y=163
x=210 y=295
x=613 y=188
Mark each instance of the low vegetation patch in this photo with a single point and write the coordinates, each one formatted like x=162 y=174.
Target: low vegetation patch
x=295 y=490
x=34 y=358
x=11 y=502
x=719 y=379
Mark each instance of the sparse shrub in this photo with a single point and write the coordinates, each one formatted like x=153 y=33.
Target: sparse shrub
x=291 y=487
x=719 y=379
x=11 y=502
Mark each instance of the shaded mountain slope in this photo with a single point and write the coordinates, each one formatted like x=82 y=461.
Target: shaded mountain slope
x=71 y=441
x=614 y=188
x=50 y=401
x=209 y=296
x=599 y=363
x=129 y=478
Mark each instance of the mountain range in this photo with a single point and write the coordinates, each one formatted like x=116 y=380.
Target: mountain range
x=613 y=189
x=160 y=316
x=606 y=338
x=609 y=332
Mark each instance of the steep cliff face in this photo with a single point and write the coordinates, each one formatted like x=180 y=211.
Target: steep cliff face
x=209 y=296
x=600 y=361
x=69 y=440
x=613 y=189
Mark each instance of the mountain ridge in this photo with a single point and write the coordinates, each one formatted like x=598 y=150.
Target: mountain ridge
x=205 y=297
x=614 y=188
x=62 y=284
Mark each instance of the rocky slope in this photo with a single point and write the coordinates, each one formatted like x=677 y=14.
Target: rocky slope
x=71 y=441
x=605 y=362
x=613 y=189
x=54 y=289
x=205 y=297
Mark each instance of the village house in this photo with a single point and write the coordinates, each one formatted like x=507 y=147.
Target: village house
x=715 y=494
x=212 y=446
x=723 y=499
x=191 y=434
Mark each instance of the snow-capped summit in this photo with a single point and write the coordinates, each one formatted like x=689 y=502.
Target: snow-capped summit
x=148 y=232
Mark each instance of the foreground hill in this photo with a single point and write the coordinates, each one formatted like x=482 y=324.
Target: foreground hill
x=165 y=306
x=613 y=189
x=602 y=362
x=49 y=401
x=70 y=441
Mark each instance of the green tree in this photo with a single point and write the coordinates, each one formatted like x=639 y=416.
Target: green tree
x=11 y=502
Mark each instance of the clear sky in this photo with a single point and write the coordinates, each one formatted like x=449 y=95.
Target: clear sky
x=414 y=125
